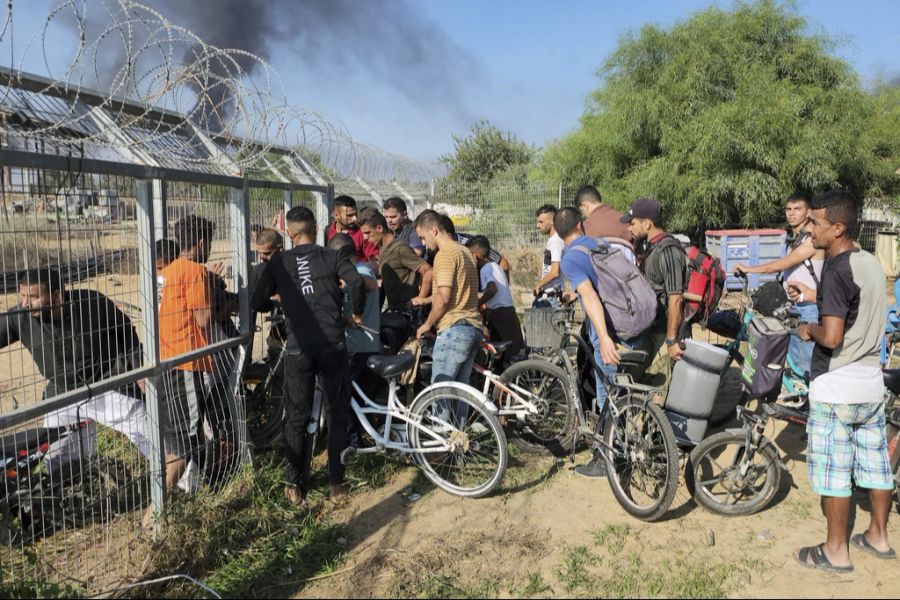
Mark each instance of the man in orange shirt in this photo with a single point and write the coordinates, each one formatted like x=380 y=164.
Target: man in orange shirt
x=186 y=322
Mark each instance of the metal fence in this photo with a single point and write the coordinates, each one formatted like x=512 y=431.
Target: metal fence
x=98 y=373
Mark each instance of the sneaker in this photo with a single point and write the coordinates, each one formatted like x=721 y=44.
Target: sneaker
x=592 y=470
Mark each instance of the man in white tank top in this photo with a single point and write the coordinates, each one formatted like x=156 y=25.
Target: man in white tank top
x=803 y=265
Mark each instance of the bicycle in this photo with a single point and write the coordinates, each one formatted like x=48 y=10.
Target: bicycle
x=629 y=432
x=794 y=380
x=263 y=384
x=37 y=503
x=450 y=429
x=531 y=394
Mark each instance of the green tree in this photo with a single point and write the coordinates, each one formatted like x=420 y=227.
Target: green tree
x=484 y=153
x=723 y=115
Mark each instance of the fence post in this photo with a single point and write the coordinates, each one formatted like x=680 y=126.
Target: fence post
x=288 y=205
x=559 y=202
x=323 y=211
x=430 y=203
x=240 y=248
x=160 y=216
x=146 y=199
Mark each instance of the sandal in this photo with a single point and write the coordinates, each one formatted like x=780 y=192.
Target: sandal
x=819 y=560
x=859 y=540
x=294 y=497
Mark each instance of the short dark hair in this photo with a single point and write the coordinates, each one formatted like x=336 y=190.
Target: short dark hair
x=588 y=193
x=344 y=201
x=304 y=218
x=449 y=225
x=566 y=220
x=46 y=277
x=799 y=197
x=481 y=243
x=373 y=219
x=191 y=229
x=547 y=209
x=840 y=207
x=343 y=244
x=269 y=237
x=396 y=203
x=431 y=218
x=167 y=250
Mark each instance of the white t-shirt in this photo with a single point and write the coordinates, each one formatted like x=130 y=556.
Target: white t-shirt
x=492 y=272
x=851 y=384
x=553 y=254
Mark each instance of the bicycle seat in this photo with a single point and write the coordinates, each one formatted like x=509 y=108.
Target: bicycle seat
x=634 y=357
x=29 y=440
x=497 y=348
x=391 y=366
x=892 y=380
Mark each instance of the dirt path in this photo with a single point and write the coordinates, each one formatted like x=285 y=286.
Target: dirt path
x=550 y=532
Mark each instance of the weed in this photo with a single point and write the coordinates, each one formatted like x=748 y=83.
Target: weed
x=535 y=585
x=573 y=572
x=612 y=537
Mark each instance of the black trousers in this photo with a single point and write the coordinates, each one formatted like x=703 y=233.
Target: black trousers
x=504 y=326
x=300 y=370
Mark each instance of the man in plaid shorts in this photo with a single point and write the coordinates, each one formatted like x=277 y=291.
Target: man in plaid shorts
x=846 y=416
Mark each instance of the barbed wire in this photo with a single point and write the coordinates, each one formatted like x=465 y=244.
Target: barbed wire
x=127 y=50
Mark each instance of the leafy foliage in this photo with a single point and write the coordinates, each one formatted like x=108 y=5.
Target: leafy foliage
x=723 y=115
x=485 y=152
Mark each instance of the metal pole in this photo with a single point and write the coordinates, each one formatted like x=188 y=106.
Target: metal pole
x=144 y=192
x=559 y=202
x=288 y=205
x=160 y=216
x=240 y=239
x=431 y=196
x=323 y=212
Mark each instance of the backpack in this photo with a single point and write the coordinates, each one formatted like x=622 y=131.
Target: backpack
x=627 y=296
x=705 y=282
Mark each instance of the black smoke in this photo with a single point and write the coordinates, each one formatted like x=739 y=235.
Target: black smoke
x=387 y=38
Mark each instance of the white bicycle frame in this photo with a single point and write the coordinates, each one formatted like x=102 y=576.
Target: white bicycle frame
x=396 y=412
x=514 y=402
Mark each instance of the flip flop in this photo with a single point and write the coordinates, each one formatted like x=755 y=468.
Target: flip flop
x=820 y=561
x=859 y=540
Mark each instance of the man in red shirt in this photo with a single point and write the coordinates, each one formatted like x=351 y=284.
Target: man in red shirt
x=601 y=220
x=344 y=214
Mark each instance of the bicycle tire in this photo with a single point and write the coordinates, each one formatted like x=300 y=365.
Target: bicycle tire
x=480 y=434
x=265 y=409
x=642 y=418
x=553 y=428
x=96 y=493
x=704 y=458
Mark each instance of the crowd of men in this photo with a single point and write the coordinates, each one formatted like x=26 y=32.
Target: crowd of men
x=378 y=264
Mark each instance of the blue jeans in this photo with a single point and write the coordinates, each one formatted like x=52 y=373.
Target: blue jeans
x=799 y=351
x=635 y=343
x=454 y=353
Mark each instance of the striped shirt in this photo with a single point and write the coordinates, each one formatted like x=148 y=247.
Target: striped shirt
x=454 y=267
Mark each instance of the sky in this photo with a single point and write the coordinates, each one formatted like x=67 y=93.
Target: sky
x=525 y=65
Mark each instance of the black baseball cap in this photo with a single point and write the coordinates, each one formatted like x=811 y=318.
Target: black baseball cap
x=643 y=208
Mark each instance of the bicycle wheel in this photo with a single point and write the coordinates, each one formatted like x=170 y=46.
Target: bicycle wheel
x=99 y=490
x=265 y=407
x=643 y=472
x=729 y=483
x=477 y=460
x=547 y=387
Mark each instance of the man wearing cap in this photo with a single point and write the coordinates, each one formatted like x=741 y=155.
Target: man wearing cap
x=665 y=266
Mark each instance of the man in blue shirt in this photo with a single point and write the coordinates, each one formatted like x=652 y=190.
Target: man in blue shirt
x=577 y=269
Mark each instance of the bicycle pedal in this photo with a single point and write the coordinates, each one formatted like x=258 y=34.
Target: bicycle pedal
x=347 y=455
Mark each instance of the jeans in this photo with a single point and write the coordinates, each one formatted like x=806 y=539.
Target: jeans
x=799 y=351
x=454 y=353
x=453 y=356
x=300 y=370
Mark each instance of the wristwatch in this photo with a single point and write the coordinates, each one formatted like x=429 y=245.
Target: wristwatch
x=670 y=342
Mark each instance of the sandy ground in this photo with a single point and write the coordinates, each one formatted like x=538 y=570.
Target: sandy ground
x=544 y=510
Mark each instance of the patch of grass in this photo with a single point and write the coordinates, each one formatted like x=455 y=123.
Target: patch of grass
x=534 y=585
x=612 y=537
x=244 y=541
x=39 y=589
x=372 y=471
x=573 y=573
x=489 y=587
